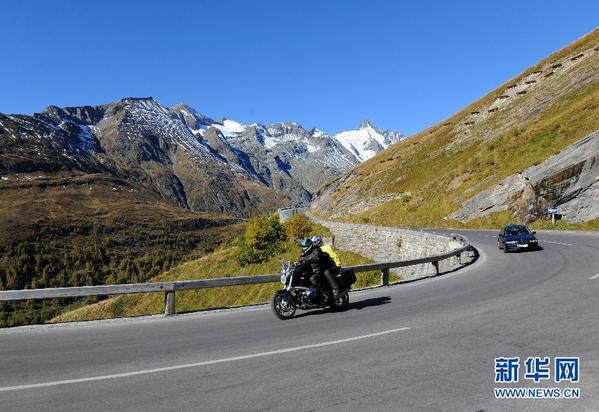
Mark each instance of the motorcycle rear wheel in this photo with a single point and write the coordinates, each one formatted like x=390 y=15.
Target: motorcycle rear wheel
x=283 y=305
x=340 y=303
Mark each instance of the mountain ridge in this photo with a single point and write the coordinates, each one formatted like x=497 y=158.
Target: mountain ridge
x=183 y=155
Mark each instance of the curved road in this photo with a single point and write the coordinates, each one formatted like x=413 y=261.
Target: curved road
x=428 y=345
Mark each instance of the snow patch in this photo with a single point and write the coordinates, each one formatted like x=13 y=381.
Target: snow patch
x=185 y=113
x=318 y=133
x=358 y=142
x=229 y=127
x=312 y=148
x=87 y=138
x=270 y=142
x=200 y=130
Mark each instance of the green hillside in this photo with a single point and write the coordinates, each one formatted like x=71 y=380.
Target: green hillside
x=521 y=123
x=91 y=230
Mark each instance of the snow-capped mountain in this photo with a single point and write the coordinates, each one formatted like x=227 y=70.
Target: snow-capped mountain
x=278 y=151
x=283 y=155
x=185 y=157
x=366 y=141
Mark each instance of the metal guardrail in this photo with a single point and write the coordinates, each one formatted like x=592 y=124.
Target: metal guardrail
x=169 y=288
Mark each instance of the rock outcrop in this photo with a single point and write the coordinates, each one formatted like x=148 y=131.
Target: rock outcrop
x=568 y=180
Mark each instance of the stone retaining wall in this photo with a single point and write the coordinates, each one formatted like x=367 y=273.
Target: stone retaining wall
x=285 y=214
x=386 y=244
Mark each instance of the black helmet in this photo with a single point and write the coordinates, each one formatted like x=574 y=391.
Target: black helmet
x=306 y=244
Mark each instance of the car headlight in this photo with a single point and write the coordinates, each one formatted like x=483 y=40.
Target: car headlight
x=533 y=241
x=510 y=242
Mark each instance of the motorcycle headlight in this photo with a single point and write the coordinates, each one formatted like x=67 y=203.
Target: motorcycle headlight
x=283 y=278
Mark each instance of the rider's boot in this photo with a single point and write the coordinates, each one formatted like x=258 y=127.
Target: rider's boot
x=330 y=276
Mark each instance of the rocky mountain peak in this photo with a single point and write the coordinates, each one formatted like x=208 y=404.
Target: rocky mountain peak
x=84 y=114
x=366 y=124
x=191 y=117
x=138 y=99
x=317 y=133
x=186 y=110
x=282 y=128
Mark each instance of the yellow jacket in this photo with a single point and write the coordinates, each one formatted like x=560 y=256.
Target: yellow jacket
x=329 y=251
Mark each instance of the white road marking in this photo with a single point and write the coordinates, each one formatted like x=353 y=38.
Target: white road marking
x=594 y=277
x=198 y=364
x=555 y=243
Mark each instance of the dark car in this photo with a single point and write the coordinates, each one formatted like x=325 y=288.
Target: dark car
x=517 y=237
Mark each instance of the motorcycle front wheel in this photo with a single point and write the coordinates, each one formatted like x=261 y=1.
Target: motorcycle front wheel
x=283 y=305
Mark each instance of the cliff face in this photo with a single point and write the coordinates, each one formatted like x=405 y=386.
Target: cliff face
x=569 y=180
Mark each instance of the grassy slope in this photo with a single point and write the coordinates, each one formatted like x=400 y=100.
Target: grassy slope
x=440 y=174
x=222 y=263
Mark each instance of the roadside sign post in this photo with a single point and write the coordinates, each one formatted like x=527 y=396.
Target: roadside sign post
x=554 y=212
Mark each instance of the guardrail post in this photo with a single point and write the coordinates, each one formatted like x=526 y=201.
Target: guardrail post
x=169 y=308
x=385 y=277
x=436 y=265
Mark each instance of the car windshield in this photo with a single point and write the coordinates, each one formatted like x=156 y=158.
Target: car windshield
x=517 y=231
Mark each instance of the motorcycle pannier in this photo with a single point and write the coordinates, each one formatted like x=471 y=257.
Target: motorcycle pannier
x=348 y=276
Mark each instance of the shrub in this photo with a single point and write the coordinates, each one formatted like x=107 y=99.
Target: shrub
x=262 y=239
x=320 y=230
x=297 y=227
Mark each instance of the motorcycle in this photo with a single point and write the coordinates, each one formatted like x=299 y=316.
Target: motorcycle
x=298 y=292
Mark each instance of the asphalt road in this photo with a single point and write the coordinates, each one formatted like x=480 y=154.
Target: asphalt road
x=427 y=345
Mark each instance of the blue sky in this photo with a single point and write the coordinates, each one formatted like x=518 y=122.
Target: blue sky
x=326 y=64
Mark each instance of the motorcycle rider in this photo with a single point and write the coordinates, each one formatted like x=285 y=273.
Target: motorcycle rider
x=317 y=240
x=331 y=271
x=317 y=262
